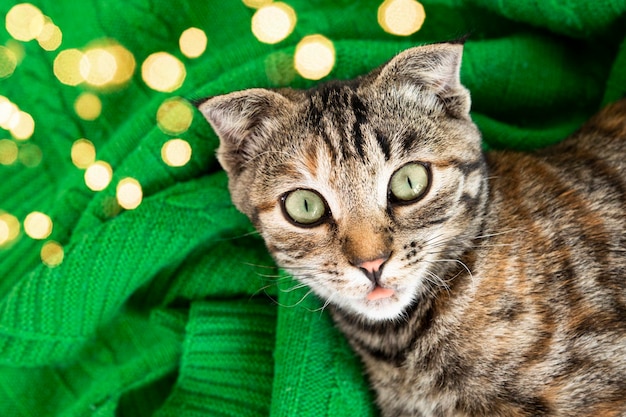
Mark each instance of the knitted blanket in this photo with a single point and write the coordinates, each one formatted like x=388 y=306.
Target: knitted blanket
x=165 y=303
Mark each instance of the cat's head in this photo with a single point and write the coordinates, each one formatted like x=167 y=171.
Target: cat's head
x=366 y=190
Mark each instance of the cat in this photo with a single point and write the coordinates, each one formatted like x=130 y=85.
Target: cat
x=470 y=283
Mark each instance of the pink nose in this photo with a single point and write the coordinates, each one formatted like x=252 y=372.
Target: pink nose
x=372 y=266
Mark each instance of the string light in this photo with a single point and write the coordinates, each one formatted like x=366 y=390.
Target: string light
x=193 y=42
x=174 y=116
x=38 y=225
x=401 y=17
x=129 y=193
x=256 y=3
x=9 y=228
x=274 y=22
x=98 y=175
x=52 y=254
x=21 y=125
x=88 y=106
x=176 y=152
x=30 y=155
x=24 y=22
x=8 y=152
x=50 y=37
x=66 y=67
x=7 y=111
x=83 y=153
x=163 y=72
x=315 y=57
x=8 y=62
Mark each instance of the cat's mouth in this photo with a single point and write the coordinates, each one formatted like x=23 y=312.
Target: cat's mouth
x=380 y=293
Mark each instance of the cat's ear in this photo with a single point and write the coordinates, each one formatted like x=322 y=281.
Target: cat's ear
x=432 y=69
x=243 y=121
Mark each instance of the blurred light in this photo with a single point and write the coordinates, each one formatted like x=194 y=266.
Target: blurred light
x=50 y=37
x=279 y=68
x=52 y=254
x=38 y=225
x=176 y=152
x=401 y=17
x=129 y=193
x=98 y=175
x=274 y=22
x=174 y=116
x=9 y=228
x=125 y=62
x=83 y=153
x=8 y=152
x=193 y=42
x=21 y=125
x=24 y=22
x=30 y=155
x=88 y=106
x=17 y=48
x=8 y=62
x=315 y=57
x=67 y=67
x=98 y=66
x=7 y=111
x=256 y=3
x=163 y=72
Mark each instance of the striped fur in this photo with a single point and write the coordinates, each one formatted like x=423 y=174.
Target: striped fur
x=509 y=275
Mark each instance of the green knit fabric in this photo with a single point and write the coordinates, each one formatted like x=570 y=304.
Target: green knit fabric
x=175 y=308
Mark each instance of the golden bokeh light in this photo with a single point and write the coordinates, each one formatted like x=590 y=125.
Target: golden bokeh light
x=163 y=72
x=129 y=193
x=8 y=152
x=21 y=125
x=88 y=106
x=66 y=67
x=401 y=17
x=52 y=254
x=30 y=155
x=279 y=68
x=24 y=22
x=315 y=57
x=274 y=22
x=193 y=42
x=176 y=152
x=7 y=111
x=125 y=61
x=38 y=225
x=103 y=64
x=174 y=116
x=256 y=3
x=97 y=67
x=9 y=228
x=98 y=175
x=83 y=153
x=8 y=62
x=50 y=37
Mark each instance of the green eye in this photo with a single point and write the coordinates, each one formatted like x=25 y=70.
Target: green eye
x=409 y=182
x=304 y=207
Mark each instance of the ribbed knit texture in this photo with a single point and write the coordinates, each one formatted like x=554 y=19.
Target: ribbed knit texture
x=175 y=308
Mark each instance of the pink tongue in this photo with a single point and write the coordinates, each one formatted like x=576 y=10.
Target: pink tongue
x=379 y=293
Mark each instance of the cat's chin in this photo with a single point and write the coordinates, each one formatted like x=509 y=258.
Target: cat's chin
x=392 y=307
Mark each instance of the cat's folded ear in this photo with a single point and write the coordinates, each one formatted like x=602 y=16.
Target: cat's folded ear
x=243 y=120
x=431 y=69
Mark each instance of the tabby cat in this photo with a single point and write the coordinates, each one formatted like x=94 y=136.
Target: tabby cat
x=470 y=283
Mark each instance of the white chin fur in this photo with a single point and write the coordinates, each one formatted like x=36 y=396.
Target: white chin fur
x=391 y=308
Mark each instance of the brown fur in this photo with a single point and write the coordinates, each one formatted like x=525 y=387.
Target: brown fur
x=509 y=274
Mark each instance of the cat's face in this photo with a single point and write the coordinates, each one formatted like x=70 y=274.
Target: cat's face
x=367 y=191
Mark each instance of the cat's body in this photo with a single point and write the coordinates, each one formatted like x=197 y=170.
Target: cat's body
x=470 y=284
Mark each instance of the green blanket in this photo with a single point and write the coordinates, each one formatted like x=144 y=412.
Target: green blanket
x=174 y=308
